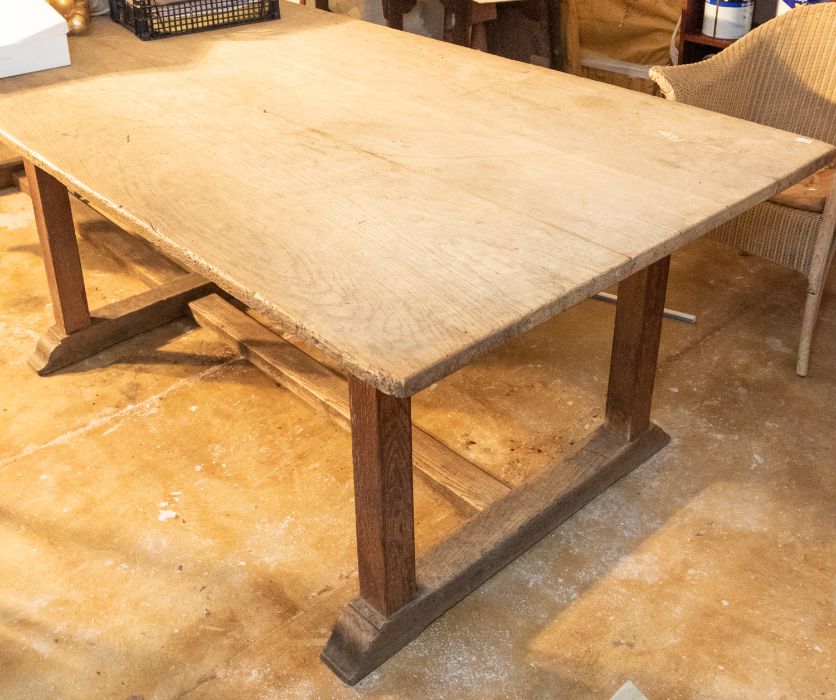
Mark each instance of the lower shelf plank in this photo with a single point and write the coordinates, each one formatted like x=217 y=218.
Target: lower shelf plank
x=322 y=388
x=362 y=638
x=117 y=322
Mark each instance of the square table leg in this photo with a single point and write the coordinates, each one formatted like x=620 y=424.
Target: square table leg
x=381 y=445
x=78 y=333
x=638 y=326
x=54 y=219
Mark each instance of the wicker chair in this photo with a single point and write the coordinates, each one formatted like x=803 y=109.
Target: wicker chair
x=782 y=74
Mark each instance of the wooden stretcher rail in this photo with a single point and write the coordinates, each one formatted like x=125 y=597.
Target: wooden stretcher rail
x=119 y=321
x=79 y=333
x=324 y=389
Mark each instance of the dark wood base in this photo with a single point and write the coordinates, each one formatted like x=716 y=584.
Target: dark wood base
x=117 y=322
x=9 y=168
x=20 y=180
x=362 y=639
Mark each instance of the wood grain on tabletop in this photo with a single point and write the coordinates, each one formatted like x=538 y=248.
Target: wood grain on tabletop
x=405 y=204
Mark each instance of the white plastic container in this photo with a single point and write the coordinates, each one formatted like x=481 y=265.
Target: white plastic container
x=33 y=37
x=787 y=5
x=727 y=19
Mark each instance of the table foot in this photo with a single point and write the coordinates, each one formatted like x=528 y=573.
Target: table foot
x=363 y=638
x=117 y=322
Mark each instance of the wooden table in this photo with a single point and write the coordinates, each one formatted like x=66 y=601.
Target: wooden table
x=406 y=206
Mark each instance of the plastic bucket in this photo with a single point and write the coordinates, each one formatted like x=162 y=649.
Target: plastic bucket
x=728 y=19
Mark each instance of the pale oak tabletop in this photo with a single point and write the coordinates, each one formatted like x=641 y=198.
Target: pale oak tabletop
x=405 y=204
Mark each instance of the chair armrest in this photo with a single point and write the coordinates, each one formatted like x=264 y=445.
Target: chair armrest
x=718 y=84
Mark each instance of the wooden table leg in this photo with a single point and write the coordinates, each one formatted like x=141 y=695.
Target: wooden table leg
x=638 y=324
x=77 y=332
x=381 y=445
x=462 y=20
x=394 y=10
x=9 y=167
x=393 y=14
x=59 y=249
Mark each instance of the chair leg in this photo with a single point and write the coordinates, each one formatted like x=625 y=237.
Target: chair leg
x=462 y=13
x=822 y=258
x=811 y=310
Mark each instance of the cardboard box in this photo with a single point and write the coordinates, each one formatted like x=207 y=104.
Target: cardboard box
x=33 y=37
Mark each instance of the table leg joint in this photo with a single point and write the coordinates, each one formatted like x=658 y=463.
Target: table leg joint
x=363 y=638
x=119 y=321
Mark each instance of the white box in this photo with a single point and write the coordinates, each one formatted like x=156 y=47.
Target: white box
x=33 y=37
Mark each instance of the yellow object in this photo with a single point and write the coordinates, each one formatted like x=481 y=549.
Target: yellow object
x=65 y=7
x=76 y=12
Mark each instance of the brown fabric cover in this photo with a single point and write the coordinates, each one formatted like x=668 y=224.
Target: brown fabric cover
x=638 y=31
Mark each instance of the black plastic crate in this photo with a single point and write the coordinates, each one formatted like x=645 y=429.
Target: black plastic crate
x=149 y=19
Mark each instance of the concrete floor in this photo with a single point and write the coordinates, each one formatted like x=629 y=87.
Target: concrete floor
x=172 y=524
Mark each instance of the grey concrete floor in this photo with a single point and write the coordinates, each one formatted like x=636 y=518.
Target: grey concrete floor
x=172 y=524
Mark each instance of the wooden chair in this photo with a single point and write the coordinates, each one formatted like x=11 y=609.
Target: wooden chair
x=464 y=20
x=782 y=74
x=461 y=17
x=319 y=4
